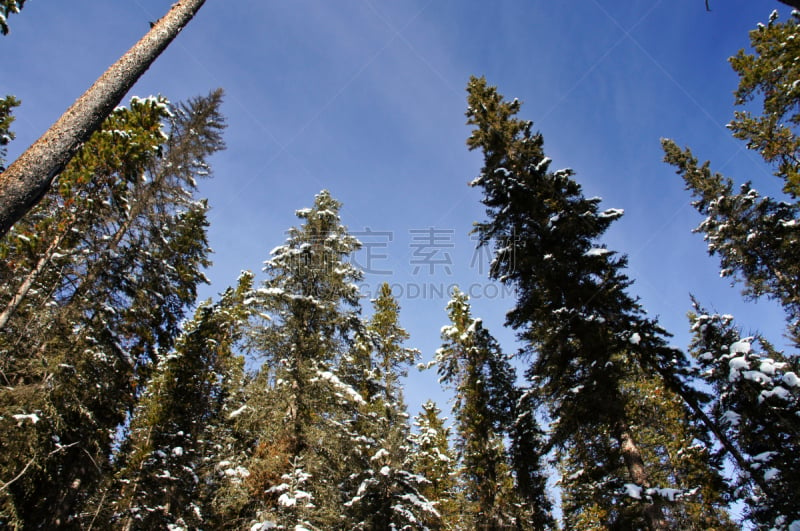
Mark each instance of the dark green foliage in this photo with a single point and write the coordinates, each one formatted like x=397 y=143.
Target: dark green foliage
x=471 y=363
x=431 y=457
x=758 y=405
x=305 y=407
x=91 y=298
x=769 y=76
x=389 y=497
x=527 y=457
x=383 y=493
x=756 y=238
x=166 y=452
x=586 y=336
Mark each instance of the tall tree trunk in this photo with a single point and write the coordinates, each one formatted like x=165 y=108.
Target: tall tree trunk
x=24 y=183
x=635 y=465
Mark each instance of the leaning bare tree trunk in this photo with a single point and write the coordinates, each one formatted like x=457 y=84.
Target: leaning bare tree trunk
x=24 y=183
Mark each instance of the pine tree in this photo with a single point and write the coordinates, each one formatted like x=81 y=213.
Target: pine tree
x=311 y=307
x=527 y=453
x=389 y=496
x=575 y=319
x=757 y=403
x=757 y=238
x=387 y=336
x=769 y=77
x=681 y=451
x=162 y=458
x=90 y=297
x=432 y=458
x=679 y=455
x=471 y=363
x=384 y=494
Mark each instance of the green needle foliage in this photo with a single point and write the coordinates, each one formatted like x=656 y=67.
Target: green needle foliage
x=586 y=337
x=95 y=283
x=7 y=104
x=311 y=306
x=769 y=76
x=471 y=363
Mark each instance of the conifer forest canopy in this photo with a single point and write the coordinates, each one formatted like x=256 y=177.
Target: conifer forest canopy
x=277 y=269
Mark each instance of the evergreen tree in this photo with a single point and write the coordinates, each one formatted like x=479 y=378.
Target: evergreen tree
x=90 y=297
x=384 y=494
x=392 y=359
x=432 y=458
x=311 y=307
x=768 y=76
x=681 y=451
x=574 y=317
x=757 y=403
x=757 y=238
x=162 y=459
x=389 y=496
x=471 y=363
x=527 y=451
x=678 y=453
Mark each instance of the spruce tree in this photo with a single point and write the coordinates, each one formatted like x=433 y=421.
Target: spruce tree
x=757 y=403
x=768 y=77
x=471 y=363
x=91 y=297
x=162 y=459
x=527 y=449
x=756 y=238
x=311 y=306
x=432 y=458
x=384 y=494
x=680 y=454
x=391 y=358
x=581 y=329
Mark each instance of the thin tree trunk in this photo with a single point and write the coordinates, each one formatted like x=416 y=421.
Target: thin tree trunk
x=129 y=517
x=677 y=386
x=24 y=183
x=26 y=285
x=635 y=465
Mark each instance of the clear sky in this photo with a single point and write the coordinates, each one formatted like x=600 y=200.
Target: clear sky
x=366 y=98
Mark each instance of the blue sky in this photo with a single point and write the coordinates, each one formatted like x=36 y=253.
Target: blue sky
x=366 y=98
